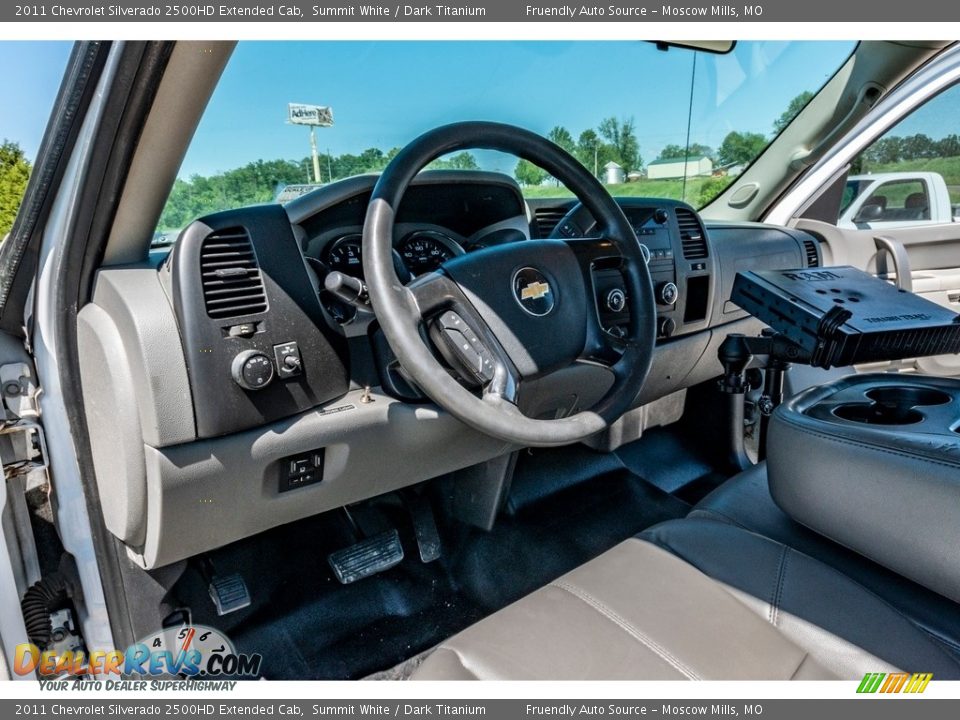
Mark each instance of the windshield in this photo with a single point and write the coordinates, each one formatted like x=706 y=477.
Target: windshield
x=676 y=124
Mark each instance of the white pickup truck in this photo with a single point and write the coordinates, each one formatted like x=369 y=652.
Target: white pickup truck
x=896 y=199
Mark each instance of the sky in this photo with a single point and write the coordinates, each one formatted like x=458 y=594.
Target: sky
x=383 y=94
x=30 y=74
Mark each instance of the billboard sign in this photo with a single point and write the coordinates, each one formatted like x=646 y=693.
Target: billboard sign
x=316 y=115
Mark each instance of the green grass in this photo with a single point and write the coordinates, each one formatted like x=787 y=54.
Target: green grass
x=948 y=167
x=672 y=189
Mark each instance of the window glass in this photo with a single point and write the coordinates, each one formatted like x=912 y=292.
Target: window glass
x=29 y=82
x=911 y=175
x=677 y=124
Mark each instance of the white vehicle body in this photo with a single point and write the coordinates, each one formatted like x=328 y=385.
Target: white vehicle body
x=896 y=199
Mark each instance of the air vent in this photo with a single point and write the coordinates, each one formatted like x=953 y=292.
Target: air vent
x=691 y=234
x=547 y=219
x=232 y=285
x=810 y=250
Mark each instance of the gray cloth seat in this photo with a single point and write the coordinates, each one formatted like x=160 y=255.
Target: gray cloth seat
x=697 y=598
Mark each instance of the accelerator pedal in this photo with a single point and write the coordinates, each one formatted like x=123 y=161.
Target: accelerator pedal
x=367 y=557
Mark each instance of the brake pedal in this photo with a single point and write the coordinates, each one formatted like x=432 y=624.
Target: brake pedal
x=367 y=557
x=229 y=593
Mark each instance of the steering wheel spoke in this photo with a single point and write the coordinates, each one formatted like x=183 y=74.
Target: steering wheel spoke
x=606 y=338
x=463 y=338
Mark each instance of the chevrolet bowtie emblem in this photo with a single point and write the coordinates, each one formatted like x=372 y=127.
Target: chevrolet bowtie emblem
x=534 y=291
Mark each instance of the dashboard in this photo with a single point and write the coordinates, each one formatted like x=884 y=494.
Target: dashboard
x=238 y=395
x=444 y=214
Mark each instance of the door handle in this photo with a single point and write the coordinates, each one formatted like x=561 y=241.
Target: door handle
x=887 y=246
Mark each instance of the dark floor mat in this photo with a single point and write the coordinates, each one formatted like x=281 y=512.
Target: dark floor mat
x=309 y=626
x=567 y=506
x=544 y=540
x=666 y=459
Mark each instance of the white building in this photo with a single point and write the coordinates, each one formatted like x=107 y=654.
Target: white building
x=698 y=166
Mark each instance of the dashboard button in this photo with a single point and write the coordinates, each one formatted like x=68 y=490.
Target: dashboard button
x=616 y=300
x=466 y=347
x=289 y=362
x=244 y=330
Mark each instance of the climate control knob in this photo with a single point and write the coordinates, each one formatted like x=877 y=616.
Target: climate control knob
x=252 y=370
x=667 y=293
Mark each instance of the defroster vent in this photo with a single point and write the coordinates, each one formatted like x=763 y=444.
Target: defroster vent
x=691 y=234
x=232 y=284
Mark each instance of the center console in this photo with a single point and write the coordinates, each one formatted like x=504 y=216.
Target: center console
x=873 y=462
x=870 y=461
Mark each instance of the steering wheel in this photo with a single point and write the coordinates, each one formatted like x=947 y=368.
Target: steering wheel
x=514 y=312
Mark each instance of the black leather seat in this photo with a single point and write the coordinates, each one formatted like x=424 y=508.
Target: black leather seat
x=745 y=502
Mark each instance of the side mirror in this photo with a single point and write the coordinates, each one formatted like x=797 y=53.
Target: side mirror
x=868 y=213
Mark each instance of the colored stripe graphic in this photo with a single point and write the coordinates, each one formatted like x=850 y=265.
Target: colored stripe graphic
x=894 y=682
x=870 y=682
x=918 y=683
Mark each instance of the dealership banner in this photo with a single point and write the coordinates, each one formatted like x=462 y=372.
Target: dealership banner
x=481 y=11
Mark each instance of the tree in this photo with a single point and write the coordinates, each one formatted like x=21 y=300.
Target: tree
x=740 y=148
x=529 y=174
x=461 y=161
x=676 y=151
x=712 y=187
x=14 y=173
x=793 y=109
x=590 y=150
x=562 y=137
x=622 y=136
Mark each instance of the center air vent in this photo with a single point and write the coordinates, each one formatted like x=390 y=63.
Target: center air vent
x=692 y=235
x=547 y=219
x=810 y=251
x=232 y=285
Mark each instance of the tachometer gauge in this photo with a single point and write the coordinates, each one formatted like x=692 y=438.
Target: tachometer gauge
x=346 y=256
x=426 y=250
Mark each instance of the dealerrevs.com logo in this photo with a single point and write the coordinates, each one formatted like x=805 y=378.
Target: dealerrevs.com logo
x=188 y=651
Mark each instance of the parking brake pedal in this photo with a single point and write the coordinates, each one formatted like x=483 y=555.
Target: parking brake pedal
x=367 y=557
x=229 y=593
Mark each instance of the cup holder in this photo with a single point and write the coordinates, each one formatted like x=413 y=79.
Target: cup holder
x=892 y=405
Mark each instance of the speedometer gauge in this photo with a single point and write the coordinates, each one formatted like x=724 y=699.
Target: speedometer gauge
x=345 y=255
x=425 y=251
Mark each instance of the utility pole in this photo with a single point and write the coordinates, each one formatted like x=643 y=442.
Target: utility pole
x=313 y=116
x=316 y=157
